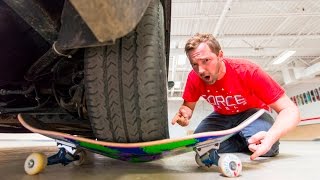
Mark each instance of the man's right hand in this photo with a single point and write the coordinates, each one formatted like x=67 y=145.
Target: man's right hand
x=183 y=116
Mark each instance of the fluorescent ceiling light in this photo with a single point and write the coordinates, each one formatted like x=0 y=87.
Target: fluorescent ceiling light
x=283 y=57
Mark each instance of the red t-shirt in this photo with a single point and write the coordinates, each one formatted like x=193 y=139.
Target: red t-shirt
x=244 y=86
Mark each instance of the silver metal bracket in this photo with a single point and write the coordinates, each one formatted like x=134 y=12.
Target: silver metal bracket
x=69 y=147
x=208 y=145
x=202 y=149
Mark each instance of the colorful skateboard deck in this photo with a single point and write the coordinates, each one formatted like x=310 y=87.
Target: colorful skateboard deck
x=298 y=100
x=301 y=99
x=143 y=151
x=138 y=152
x=309 y=97
x=313 y=95
x=317 y=94
x=305 y=98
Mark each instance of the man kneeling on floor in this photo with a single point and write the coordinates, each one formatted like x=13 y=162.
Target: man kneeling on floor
x=236 y=88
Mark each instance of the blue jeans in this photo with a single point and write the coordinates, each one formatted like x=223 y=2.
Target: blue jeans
x=238 y=142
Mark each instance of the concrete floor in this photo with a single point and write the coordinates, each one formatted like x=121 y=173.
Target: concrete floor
x=297 y=160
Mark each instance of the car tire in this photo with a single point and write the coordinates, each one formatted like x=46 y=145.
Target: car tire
x=126 y=83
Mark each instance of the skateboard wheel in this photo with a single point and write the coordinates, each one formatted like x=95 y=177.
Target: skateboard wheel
x=230 y=165
x=35 y=163
x=199 y=161
x=83 y=156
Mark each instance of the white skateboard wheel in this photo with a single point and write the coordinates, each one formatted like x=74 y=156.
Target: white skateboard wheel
x=230 y=165
x=35 y=163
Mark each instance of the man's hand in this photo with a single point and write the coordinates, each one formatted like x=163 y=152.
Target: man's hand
x=259 y=144
x=182 y=117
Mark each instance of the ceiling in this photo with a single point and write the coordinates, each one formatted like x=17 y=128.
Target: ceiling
x=258 y=30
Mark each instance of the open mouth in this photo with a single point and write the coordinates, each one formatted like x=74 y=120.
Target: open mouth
x=207 y=78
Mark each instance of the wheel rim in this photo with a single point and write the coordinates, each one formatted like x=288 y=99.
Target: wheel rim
x=31 y=163
x=233 y=165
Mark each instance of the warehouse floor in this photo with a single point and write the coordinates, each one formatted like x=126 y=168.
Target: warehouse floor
x=297 y=160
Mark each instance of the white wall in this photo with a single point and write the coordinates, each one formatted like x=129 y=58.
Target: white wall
x=8 y=140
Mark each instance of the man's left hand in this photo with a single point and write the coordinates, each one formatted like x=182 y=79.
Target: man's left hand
x=259 y=144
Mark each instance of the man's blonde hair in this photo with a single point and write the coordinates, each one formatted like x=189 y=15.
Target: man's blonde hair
x=198 y=38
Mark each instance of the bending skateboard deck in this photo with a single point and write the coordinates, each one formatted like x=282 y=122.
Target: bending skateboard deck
x=205 y=145
x=138 y=152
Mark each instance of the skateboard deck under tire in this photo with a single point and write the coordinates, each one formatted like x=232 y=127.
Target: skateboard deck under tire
x=142 y=151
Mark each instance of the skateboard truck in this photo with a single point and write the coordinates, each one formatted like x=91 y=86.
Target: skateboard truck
x=67 y=153
x=63 y=156
x=207 y=155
